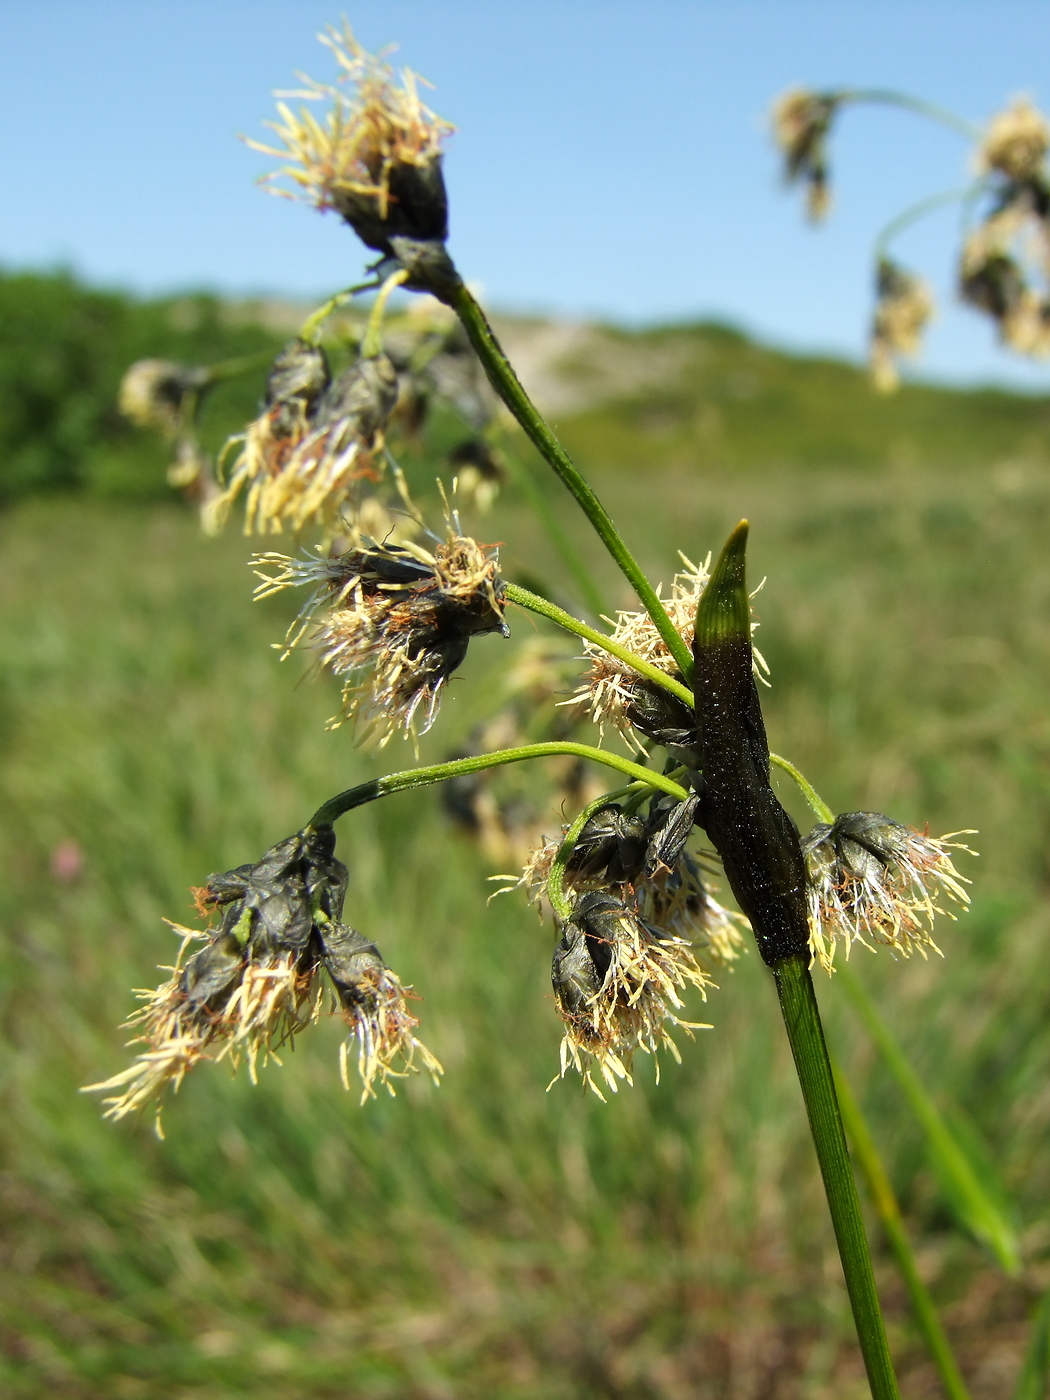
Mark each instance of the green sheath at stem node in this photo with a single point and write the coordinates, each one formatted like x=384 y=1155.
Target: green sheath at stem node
x=763 y=862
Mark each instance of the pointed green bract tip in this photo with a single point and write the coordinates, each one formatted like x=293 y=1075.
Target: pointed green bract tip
x=725 y=611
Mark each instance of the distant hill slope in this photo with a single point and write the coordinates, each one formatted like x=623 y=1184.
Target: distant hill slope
x=675 y=397
x=706 y=395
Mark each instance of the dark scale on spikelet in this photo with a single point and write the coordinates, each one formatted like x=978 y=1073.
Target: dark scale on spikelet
x=257 y=981
x=395 y=623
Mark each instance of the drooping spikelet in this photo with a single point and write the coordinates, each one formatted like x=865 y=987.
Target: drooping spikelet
x=801 y=120
x=1016 y=142
x=611 y=691
x=161 y=394
x=617 y=984
x=374 y=155
x=644 y=926
x=373 y=1004
x=874 y=880
x=257 y=981
x=615 y=694
x=903 y=308
x=993 y=279
x=315 y=440
x=396 y=624
x=642 y=861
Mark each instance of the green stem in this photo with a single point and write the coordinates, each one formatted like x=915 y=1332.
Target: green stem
x=798 y=1004
x=310 y=330
x=534 y=603
x=230 y=369
x=918 y=211
x=885 y=1201
x=373 y=341
x=888 y=98
x=522 y=475
x=1035 y=1370
x=807 y=789
x=439 y=772
x=507 y=385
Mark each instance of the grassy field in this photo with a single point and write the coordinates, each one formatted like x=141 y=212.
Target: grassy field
x=488 y=1239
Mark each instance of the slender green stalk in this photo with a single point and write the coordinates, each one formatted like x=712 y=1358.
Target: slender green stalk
x=888 y=98
x=918 y=211
x=867 y=1157
x=961 y=1178
x=310 y=330
x=809 y=792
x=508 y=386
x=534 y=603
x=798 y=1003
x=242 y=364
x=373 y=341
x=343 y=802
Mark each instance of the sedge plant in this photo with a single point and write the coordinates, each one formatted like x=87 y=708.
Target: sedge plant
x=395 y=600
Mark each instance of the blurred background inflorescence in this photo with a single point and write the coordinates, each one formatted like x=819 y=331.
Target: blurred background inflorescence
x=917 y=578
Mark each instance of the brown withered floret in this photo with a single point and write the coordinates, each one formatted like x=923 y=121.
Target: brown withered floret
x=316 y=438
x=903 y=308
x=394 y=622
x=256 y=982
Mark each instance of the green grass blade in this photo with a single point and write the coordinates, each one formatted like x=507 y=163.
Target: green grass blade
x=866 y=1155
x=970 y=1186
x=1034 y=1379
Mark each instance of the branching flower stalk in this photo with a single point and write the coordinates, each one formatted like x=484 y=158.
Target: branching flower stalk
x=638 y=926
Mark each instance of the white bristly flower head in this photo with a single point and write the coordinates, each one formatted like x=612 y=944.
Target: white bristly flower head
x=161 y=394
x=873 y=880
x=394 y=621
x=614 y=694
x=801 y=120
x=617 y=984
x=374 y=154
x=257 y=981
x=314 y=442
x=993 y=278
x=373 y=1004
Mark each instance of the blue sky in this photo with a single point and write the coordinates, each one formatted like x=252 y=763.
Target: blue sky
x=611 y=158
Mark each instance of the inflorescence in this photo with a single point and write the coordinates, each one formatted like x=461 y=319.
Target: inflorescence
x=1004 y=262
x=394 y=622
x=643 y=926
x=374 y=157
x=638 y=924
x=873 y=880
x=260 y=979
